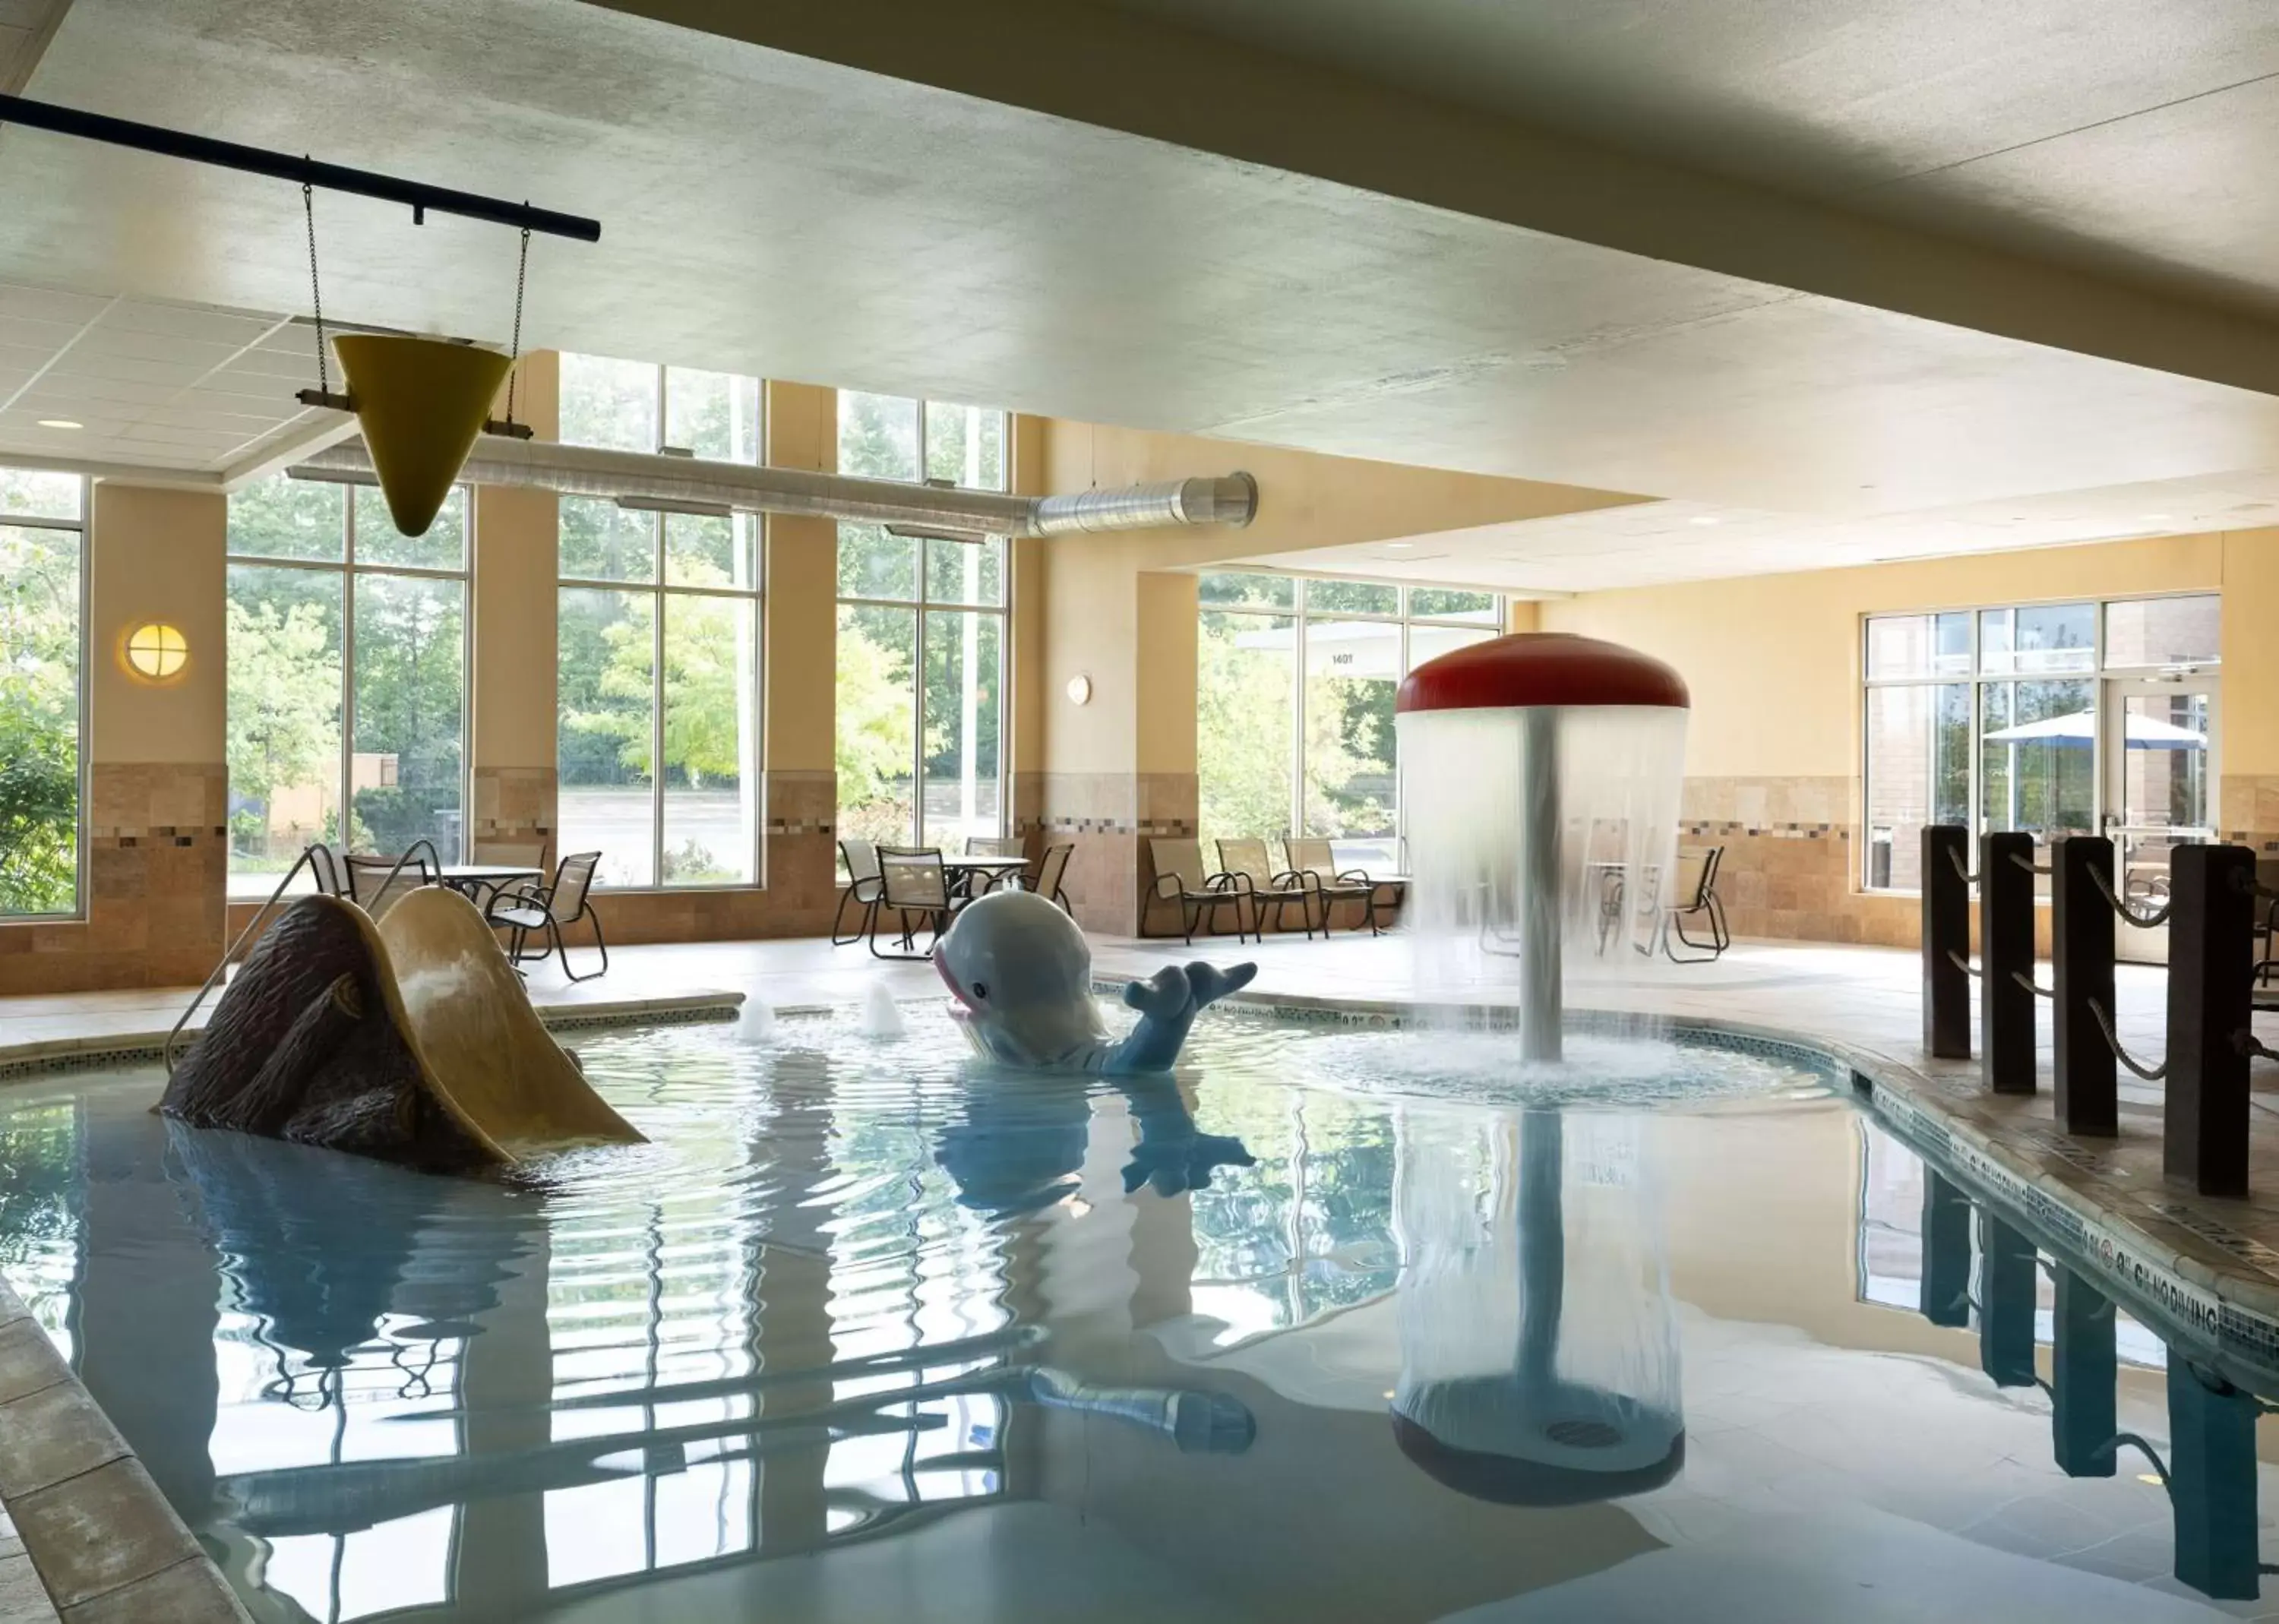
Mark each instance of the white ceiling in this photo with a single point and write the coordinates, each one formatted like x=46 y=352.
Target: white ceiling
x=795 y=217
x=152 y=384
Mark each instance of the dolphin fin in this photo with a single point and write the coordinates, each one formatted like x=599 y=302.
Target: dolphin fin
x=1168 y=1002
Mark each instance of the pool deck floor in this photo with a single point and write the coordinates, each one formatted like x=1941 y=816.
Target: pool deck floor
x=118 y=1553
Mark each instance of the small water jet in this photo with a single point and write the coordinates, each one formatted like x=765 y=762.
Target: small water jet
x=756 y=1022
x=882 y=1017
x=1541 y=777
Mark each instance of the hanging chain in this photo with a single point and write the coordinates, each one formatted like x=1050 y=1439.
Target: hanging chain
x=521 y=273
x=316 y=294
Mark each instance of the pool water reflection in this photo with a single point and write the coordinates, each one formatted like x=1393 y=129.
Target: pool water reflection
x=1252 y=1345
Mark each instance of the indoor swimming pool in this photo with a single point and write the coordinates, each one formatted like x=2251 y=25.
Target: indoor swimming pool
x=1341 y=1324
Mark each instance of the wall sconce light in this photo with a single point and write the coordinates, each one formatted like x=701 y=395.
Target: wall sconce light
x=1079 y=689
x=156 y=651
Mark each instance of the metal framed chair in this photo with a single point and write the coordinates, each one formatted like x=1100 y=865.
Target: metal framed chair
x=862 y=859
x=1046 y=878
x=985 y=845
x=1270 y=889
x=2267 y=926
x=1179 y=879
x=1693 y=895
x=914 y=886
x=549 y=908
x=331 y=875
x=1310 y=857
x=376 y=884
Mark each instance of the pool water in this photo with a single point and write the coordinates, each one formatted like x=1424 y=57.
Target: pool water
x=1320 y=1331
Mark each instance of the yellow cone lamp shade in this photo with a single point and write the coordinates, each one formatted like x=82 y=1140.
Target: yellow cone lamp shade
x=421 y=403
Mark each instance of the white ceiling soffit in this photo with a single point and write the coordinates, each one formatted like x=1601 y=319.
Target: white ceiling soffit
x=151 y=384
x=797 y=218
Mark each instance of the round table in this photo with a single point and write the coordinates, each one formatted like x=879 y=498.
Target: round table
x=476 y=880
x=963 y=871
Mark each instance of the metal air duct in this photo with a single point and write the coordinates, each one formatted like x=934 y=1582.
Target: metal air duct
x=690 y=482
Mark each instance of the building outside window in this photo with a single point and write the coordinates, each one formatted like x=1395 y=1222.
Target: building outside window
x=43 y=704
x=659 y=630
x=1278 y=754
x=346 y=677
x=2054 y=718
x=921 y=664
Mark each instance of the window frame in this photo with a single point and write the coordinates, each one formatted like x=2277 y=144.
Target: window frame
x=1301 y=613
x=2098 y=673
x=923 y=604
x=659 y=590
x=82 y=756
x=349 y=569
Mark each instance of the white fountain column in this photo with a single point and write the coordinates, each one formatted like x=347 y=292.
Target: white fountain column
x=1540 y=910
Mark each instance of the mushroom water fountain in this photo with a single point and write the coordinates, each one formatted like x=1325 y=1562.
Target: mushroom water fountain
x=1541 y=776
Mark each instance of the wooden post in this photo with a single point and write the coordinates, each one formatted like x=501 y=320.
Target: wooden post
x=2081 y=932
x=2007 y=1283
x=2006 y=952
x=2211 y=1000
x=1943 y=1291
x=2212 y=1481
x=1945 y=934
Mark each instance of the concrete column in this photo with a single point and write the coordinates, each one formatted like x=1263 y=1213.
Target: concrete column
x=512 y=712
x=506 y=1387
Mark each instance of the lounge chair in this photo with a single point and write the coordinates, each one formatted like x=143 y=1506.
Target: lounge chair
x=1045 y=877
x=1694 y=896
x=915 y=887
x=1269 y=888
x=862 y=859
x=1312 y=859
x=1180 y=879
x=567 y=901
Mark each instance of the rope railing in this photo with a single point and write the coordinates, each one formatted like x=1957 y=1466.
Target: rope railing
x=1956 y=857
x=2030 y=868
x=2122 y=910
x=1961 y=963
x=2152 y=1074
x=2027 y=981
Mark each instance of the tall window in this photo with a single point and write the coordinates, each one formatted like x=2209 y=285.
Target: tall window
x=347 y=677
x=921 y=636
x=2050 y=718
x=659 y=748
x=42 y=548
x=1278 y=754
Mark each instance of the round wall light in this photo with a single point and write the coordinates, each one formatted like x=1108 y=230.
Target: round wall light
x=156 y=651
x=1079 y=689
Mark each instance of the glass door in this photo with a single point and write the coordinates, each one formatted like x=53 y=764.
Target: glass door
x=2159 y=744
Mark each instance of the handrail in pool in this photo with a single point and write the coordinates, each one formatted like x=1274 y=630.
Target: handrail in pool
x=307 y=859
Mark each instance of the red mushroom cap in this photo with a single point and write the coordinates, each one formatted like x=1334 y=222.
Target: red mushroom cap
x=1541 y=668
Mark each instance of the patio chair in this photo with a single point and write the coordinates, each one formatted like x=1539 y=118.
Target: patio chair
x=912 y=882
x=1045 y=880
x=369 y=885
x=984 y=846
x=1180 y=878
x=507 y=854
x=1312 y=858
x=1693 y=896
x=2267 y=925
x=326 y=868
x=862 y=859
x=1268 y=888
x=533 y=906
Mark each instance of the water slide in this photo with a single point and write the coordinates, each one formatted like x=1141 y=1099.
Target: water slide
x=410 y=1040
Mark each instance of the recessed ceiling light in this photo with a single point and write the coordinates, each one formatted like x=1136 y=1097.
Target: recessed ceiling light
x=2156 y=519
x=65 y=423
x=1705 y=518
x=1398 y=547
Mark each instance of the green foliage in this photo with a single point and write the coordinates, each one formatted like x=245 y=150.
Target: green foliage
x=876 y=726
x=707 y=673
x=1244 y=703
x=39 y=721
x=284 y=695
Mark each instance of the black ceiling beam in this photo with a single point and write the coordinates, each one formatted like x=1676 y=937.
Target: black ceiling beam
x=284 y=166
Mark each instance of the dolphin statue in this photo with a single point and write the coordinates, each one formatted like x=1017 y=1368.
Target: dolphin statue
x=1021 y=972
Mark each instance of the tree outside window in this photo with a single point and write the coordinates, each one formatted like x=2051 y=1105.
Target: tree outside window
x=41 y=638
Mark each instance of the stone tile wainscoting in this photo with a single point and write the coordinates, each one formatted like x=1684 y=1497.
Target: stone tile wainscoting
x=2248 y=813
x=1791 y=866
x=801 y=888
x=514 y=809
x=157 y=854
x=1109 y=818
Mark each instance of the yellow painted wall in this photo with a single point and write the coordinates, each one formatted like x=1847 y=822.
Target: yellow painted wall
x=803 y=588
x=512 y=706
x=156 y=555
x=1773 y=661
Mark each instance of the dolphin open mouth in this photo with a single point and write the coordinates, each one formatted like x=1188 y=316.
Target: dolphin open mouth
x=941 y=968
